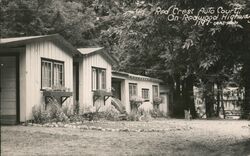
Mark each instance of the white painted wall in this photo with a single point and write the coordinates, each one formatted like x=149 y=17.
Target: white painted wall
x=140 y=85
x=164 y=105
x=85 y=80
x=30 y=74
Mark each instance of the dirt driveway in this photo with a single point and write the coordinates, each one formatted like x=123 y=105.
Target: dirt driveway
x=178 y=137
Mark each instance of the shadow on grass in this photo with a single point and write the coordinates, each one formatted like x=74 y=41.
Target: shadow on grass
x=242 y=148
x=238 y=149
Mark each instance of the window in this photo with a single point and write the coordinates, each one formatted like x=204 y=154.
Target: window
x=52 y=73
x=145 y=94
x=98 y=78
x=132 y=89
x=155 y=91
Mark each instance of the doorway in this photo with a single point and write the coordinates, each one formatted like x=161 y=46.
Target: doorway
x=9 y=94
x=116 y=89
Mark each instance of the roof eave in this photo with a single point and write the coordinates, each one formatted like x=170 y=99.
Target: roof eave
x=53 y=37
x=136 y=77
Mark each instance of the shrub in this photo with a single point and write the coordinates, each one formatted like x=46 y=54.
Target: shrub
x=135 y=102
x=68 y=110
x=111 y=113
x=157 y=101
x=40 y=116
x=91 y=116
x=76 y=118
x=53 y=113
x=56 y=112
x=144 y=115
x=36 y=112
x=133 y=116
x=156 y=113
x=76 y=108
x=91 y=113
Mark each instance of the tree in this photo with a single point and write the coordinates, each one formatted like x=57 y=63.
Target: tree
x=180 y=53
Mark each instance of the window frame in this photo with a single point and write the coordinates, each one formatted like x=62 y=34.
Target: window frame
x=52 y=61
x=153 y=91
x=142 y=91
x=136 y=90
x=99 y=79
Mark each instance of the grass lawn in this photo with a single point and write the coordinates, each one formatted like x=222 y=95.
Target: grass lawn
x=181 y=137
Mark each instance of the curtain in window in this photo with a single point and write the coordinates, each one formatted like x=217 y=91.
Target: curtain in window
x=98 y=78
x=58 y=74
x=94 y=77
x=46 y=74
x=52 y=74
x=103 y=79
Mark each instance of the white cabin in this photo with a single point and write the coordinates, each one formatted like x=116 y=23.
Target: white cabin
x=125 y=85
x=94 y=70
x=28 y=67
x=37 y=69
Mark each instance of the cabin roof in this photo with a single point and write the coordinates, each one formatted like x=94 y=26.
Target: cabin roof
x=134 y=76
x=86 y=52
x=21 y=41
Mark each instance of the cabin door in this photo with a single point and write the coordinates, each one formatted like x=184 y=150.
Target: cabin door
x=116 y=89
x=8 y=89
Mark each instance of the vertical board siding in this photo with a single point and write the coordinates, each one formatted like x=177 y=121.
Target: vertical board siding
x=34 y=53
x=85 y=89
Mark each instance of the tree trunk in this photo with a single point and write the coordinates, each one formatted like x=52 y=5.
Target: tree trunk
x=178 y=104
x=188 y=95
x=209 y=100
x=220 y=102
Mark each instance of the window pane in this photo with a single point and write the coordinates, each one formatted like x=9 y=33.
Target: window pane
x=98 y=78
x=55 y=75
x=46 y=73
x=145 y=93
x=52 y=74
x=58 y=75
x=132 y=89
x=93 y=79
x=155 y=91
x=103 y=81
